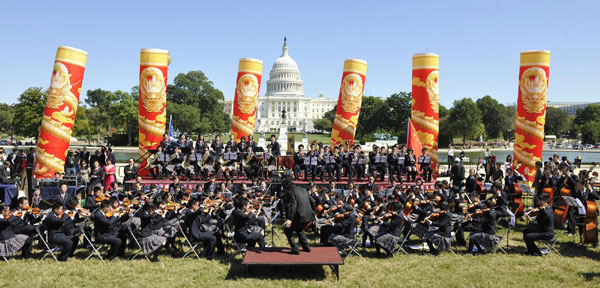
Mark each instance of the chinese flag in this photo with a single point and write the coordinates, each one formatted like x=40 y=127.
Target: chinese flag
x=413 y=140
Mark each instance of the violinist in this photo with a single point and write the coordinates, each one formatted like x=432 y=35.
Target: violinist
x=23 y=221
x=246 y=230
x=203 y=228
x=393 y=165
x=370 y=222
x=344 y=232
x=154 y=234
x=390 y=232
x=499 y=203
x=10 y=242
x=104 y=232
x=486 y=237
x=541 y=229
x=60 y=233
x=442 y=236
x=585 y=194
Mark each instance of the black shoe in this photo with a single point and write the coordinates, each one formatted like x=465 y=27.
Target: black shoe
x=306 y=249
x=295 y=252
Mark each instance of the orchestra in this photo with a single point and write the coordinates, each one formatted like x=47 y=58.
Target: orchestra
x=400 y=201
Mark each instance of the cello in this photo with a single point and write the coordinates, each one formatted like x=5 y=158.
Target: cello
x=550 y=192
x=560 y=213
x=590 y=223
x=518 y=198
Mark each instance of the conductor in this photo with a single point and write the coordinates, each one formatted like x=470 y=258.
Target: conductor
x=299 y=211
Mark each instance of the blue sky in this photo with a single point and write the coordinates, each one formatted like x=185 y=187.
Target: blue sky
x=478 y=42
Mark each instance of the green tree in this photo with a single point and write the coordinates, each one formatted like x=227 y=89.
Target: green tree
x=330 y=115
x=323 y=124
x=82 y=125
x=465 y=119
x=492 y=116
x=445 y=136
x=124 y=113
x=186 y=117
x=443 y=111
x=99 y=114
x=7 y=114
x=590 y=132
x=588 y=114
x=398 y=111
x=557 y=120
x=197 y=91
x=374 y=114
x=29 y=108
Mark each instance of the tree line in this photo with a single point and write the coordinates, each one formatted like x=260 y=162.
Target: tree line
x=466 y=120
x=196 y=107
x=192 y=101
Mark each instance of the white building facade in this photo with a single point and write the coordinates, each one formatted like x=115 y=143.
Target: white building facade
x=285 y=91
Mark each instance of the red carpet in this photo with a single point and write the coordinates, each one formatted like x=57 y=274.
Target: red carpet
x=281 y=256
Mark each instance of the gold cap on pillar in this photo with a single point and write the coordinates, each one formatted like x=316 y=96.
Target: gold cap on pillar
x=355 y=65
x=426 y=61
x=250 y=65
x=154 y=57
x=71 y=55
x=535 y=58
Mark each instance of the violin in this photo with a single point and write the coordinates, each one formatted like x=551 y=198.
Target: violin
x=434 y=216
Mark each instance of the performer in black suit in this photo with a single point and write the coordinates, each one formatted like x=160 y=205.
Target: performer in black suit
x=245 y=224
x=275 y=145
x=22 y=222
x=584 y=194
x=299 y=163
x=130 y=173
x=299 y=212
x=541 y=229
x=201 y=229
x=57 y=222
x=62 y=196
x=104 y=228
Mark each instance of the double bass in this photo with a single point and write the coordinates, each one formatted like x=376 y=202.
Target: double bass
x=590 y=223
x=518 y=198
x=560 y=213
x=550 y=192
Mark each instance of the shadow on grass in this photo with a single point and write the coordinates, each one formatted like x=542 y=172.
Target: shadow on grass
x=590 y=276
x=271 y=272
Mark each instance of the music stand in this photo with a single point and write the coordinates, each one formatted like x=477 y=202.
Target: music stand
x=272 y=244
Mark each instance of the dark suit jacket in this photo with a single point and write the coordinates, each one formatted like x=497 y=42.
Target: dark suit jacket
x=545 y=220
x=276 y=149
x=57 y=197
x=57 y=226
x=103 y=225
x=6 y=229
x=299 y=206
x=130 y=172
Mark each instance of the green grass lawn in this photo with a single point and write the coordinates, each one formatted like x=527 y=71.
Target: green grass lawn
x=578 y=267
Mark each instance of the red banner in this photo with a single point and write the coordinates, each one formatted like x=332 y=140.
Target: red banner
x=152 y=101
x=349 y=102
x=425 y=103
x=534 y=72
x=246 y=97
x=60 y=111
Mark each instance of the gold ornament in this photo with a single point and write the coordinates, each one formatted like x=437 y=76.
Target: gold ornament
x=247 y=90
x=534 y=88
x=351 y=93
x=60 y=85
x=153 y=89
x=433 y=91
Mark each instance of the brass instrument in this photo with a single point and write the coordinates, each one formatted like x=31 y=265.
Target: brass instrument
x=186 y=163
x=204 y=159
x=249 y=158
x=265 y=161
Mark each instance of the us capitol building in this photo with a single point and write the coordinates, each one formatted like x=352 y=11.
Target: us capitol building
x=285 y=91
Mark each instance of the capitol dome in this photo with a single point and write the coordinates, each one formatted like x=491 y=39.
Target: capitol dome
x=284 y=78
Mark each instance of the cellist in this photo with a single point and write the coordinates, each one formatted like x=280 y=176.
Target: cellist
x=567 y=181
x=585 y=194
